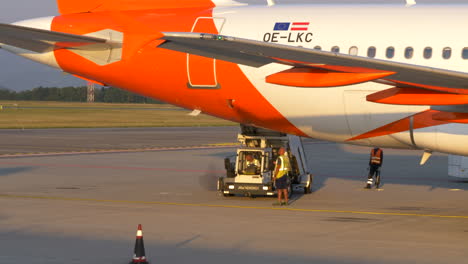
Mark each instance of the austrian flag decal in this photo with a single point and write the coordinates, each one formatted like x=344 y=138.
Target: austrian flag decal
x=289 y=32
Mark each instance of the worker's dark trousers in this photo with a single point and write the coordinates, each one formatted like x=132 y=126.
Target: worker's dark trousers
x=373 y=169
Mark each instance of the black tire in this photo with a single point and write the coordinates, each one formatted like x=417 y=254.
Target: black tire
x=220 y=184
x=221 y=187
x=290 y=190
x=230 y=174
x=308 y=189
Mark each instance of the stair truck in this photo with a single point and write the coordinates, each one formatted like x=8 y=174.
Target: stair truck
x=250 y=172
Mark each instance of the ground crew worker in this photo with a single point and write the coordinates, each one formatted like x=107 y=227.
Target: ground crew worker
x=375 y=162
x=280 y=176
x=252 y=165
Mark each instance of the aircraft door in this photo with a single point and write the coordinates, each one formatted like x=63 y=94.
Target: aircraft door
x=201 y=71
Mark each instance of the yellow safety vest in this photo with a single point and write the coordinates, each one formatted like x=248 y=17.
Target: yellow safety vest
x=285 y=166
x=253 y=162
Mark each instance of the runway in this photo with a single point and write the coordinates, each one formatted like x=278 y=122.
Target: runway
x=84 y=207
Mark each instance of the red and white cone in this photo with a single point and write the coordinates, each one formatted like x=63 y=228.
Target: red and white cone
x=139 y=255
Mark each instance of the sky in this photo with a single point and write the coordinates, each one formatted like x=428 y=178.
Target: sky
x=20 y=74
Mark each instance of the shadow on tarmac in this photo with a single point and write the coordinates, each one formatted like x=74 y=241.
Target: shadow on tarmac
x=69 y=249
x=399 y=167
x=209 y=179
x=9 y=171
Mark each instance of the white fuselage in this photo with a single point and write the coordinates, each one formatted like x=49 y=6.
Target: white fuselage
x=338 y=114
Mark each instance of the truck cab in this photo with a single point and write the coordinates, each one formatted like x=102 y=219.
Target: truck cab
x=252 y=162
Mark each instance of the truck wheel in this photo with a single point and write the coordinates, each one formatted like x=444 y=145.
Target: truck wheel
x=221 y=187
x=220 y=184
x=290 y=190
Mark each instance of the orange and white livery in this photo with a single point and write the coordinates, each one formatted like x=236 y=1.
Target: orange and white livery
x=392 y=76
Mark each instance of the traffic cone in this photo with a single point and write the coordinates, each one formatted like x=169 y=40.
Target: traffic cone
x=139 y=255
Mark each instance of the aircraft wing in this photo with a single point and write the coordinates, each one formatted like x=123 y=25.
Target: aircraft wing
x=316 y=68
x=40 y=41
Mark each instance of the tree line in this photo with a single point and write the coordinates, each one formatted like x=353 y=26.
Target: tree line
x=75 y=94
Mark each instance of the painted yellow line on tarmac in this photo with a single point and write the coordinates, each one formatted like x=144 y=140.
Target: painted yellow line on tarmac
x=6 y=196
x=370 y=190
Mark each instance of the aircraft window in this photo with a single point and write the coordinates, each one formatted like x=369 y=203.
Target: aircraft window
x=427 y=53
x=390 y=52
x=335 y=49
x=353 y=51
x=371 y=52
x=465 y=54
x=447 y=53
x=318 y=48
x=409 y=51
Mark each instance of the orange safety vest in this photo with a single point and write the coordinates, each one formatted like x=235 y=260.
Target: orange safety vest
x=375 y=156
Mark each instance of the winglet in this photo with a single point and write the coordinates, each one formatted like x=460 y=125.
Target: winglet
x=410 y=3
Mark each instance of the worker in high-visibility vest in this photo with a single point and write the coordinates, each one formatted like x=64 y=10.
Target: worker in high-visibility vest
x=375 y=162
x=281 y=176
x=252 y=165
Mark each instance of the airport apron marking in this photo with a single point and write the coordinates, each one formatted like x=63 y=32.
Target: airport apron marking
x=6 y=196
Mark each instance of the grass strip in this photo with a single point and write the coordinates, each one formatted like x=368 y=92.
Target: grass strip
x=28 y=115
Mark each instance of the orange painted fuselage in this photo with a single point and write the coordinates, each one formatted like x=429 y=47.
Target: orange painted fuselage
x=162 y=74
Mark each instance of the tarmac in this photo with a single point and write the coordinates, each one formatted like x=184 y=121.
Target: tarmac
x=77 y=196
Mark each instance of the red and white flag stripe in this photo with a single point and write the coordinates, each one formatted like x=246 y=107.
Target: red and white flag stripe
x=300 y=26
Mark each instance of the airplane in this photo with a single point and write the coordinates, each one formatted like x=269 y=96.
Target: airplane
x=392 y=76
